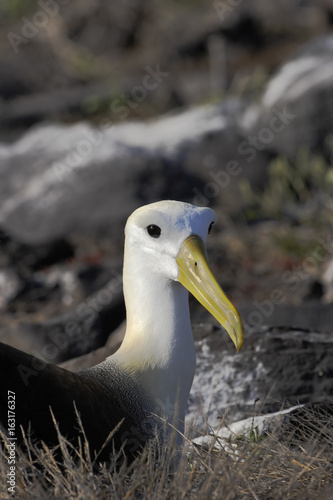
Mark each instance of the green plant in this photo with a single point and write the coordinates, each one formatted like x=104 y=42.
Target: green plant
x=301 y=189
x=15 y=9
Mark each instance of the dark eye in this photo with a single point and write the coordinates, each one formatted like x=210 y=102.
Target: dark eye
x=210 y=227
x=154 y=231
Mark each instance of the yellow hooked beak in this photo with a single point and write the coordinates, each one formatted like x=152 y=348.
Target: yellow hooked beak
x=196 y=275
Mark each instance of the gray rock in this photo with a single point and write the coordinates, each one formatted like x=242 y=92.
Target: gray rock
x=74 y=334
x=275 y=366
x=98 y=355
x=296 y=109
x=10 y=285
x=311 y=315
x=300 y=421
x=83 y=179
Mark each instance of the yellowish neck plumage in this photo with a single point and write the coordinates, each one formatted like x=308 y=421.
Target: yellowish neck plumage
x=158 y=348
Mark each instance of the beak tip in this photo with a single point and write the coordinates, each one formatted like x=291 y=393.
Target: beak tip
x=238 y=336
x=236 y=331
x=239 y=346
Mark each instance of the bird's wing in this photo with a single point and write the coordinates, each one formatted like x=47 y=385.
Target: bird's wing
x=35 y=386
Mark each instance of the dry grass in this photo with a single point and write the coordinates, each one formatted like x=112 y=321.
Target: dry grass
x=287 y=465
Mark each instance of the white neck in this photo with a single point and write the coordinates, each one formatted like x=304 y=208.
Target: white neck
x=158 y=348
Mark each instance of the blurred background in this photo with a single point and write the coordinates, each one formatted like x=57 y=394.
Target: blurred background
x=105 y=106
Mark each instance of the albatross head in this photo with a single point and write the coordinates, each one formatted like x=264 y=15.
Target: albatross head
x=168 y=239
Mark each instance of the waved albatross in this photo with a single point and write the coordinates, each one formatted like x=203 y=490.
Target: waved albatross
x=151 y=374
